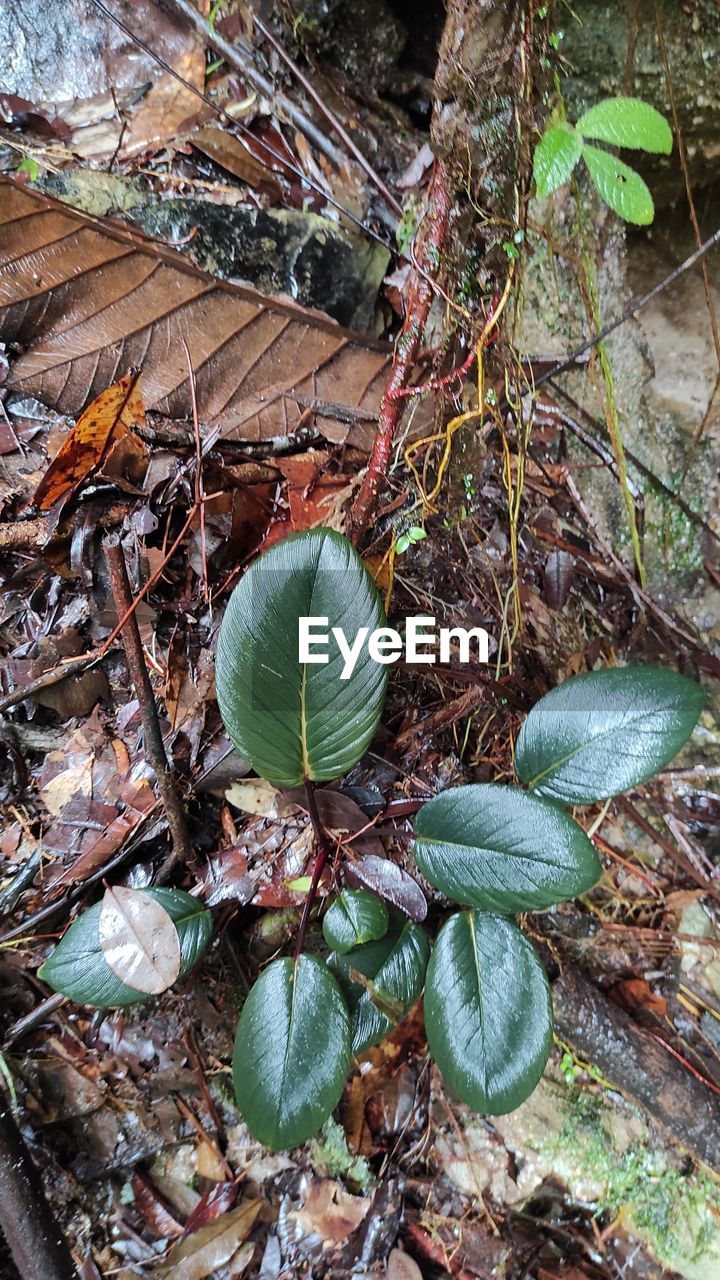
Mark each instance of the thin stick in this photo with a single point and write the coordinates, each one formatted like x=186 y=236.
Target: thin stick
x=636 y=305
x=239 y=56
x=238 y=124
x=36 y=1241
x=329 y=115
x=322 y=853
x=154 y=745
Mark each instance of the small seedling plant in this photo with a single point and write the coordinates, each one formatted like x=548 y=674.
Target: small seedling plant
x=621 y=122
x=492 y=851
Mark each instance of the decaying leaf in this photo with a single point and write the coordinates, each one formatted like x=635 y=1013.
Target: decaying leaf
x=260 y=798
x=88 y=299
x=139 y=940
x=330 y=1212
x=210 y=1248
x=104 y=424
x=232 y=154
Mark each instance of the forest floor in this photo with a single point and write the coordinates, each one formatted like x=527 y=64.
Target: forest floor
x=222 y=235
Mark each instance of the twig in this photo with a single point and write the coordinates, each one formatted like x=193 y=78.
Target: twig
x=154 y=745
x=329 y=115
x=239 y=56
x=406 y=350
x=323 y=850
x=636 y=305
x=239 y=126
x=37 y=1244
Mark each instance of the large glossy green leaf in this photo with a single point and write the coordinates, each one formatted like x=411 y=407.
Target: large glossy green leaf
x=620 y=186
x=627 y=122
x=292 y=1051
x=78 y=968
x=556 y=155
x=294 y=720
x=503 y=850
x=355 y=917
x=603 y=732
x=394 y=968
x=488 y=1012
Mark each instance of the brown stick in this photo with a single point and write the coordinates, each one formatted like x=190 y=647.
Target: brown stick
x=408 y=345
x=38 y=1246
x=154 y=745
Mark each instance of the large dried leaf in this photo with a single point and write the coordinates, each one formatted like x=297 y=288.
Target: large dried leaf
x=89 y=300
x=139 y=940
x=105 y=422
x=207 y=1250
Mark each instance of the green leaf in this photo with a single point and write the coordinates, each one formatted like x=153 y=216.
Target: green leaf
x=488 y=1013
x=294 y=720
x=394 y=968
x=78 y=969
x=355 y=917
x=603 y=732
x=556 y=155
x=627 y=122
x=503 y=850
x=620 y=186
x=292 y=1051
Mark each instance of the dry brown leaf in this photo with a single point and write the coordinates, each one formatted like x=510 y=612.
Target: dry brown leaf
x=210 y=1248
x=231 y=154
x=330 y=1212
x=88 y=299
x=139 y=940
x=105 y=422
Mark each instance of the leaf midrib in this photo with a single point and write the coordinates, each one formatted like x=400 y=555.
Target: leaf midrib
x=591 y=742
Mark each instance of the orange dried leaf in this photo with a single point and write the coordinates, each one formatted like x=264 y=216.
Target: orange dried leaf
x=104 y=423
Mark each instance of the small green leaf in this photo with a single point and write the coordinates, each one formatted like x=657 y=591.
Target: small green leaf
x=402 y=544
x=603 y=732
x=294 y=720
x=78 y=969
x=355 y=917
x=556 y=155
x=394 y=972
x=488 y=1012
x=292 y=1051
x=29 y=166
x=627 y=122
x=620 y=186
x=503 y=850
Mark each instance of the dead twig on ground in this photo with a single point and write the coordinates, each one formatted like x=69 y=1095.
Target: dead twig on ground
x=154 y=745
x=36 y=1241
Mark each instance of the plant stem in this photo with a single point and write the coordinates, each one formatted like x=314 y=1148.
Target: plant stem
x=322 y=853
x=437 y=215
x=154 y=745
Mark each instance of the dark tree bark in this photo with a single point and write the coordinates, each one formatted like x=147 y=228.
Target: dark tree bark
x=37 y=1244
x=638 y=1065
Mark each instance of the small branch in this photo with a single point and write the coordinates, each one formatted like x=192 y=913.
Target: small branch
x=329 y=115
x=240 y=57
x=154 y=745
x=323 y=849
x=408 y=345
x=636 y=305
x=37 y=1244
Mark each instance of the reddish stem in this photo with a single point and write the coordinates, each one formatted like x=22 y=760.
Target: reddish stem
x=323 y=851
x=408 y=345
